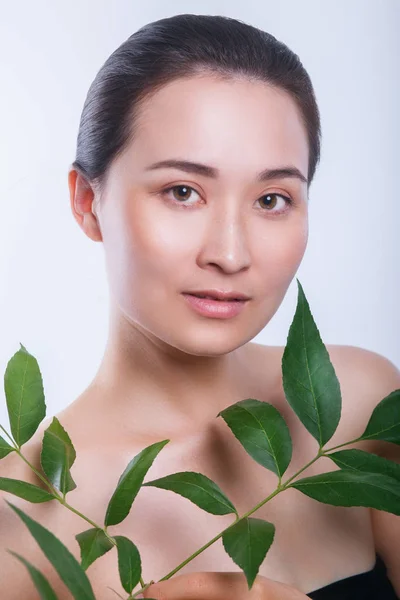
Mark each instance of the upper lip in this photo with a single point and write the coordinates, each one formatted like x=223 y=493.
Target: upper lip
x=220 y=294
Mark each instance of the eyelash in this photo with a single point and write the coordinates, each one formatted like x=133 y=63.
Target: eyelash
x=289 y=202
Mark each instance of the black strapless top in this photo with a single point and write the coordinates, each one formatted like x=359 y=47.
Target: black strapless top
x=371 y=585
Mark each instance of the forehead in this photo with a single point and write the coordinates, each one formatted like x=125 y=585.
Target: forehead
x=237 y=124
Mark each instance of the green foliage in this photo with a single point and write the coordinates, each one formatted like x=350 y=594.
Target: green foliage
x=384 y=423
x=312 y=390
x=198 y=488
x=93 y=544
x=40 y=582
x=5 y=448
x=353 y=488
x=57 y=457
x=24 y=392
x=25 y=490
x=129 y=563
x=360 y=460
x=247 y=542
x=309 y=380
x=60 y=557
x=262 y=431
x=130 y=482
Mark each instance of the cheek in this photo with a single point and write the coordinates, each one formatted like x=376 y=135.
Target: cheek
x=281 y=251
x=159 y=242
x=154 y=247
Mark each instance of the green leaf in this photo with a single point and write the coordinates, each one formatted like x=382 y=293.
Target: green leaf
x=130 y=482
x=247 y=542
x=353 y=488
x=262 y=431
x=25 y=490
x=198 y=488
x=359 y=460
x=23 y=388
x=40 y=582
x=60 y=557
x=93 y=544
x=384 y=423
x=57 y=457
x=309 y=379
x=5 y=448
x=129 y=563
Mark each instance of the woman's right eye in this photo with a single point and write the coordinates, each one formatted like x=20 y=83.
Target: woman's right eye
x=182 y=196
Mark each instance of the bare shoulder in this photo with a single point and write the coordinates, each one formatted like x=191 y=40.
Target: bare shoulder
x=368 y=376
x=372 y=377
x=365 y=378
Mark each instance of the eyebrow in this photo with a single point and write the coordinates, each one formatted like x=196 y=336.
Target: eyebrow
x=213 y=172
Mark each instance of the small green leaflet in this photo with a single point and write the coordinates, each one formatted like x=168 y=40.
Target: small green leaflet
x=24 y=392
x=57 y=457
x=262 y=431
x=40 y=582
x=25 y=490
x=198 y=488
x=93 y=544
x=384 y=423
x=247 y=542
x=353 y=488
x=129 y=563
x=359 y=460
x=130 y=482
x=60 y=557
x=309 y=379
x=5 y=448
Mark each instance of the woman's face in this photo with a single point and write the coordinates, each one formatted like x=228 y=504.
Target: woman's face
x=229 y=231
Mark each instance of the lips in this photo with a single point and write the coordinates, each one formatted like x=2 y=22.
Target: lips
x=218 y=295
x=217 y=299
x=214 y=308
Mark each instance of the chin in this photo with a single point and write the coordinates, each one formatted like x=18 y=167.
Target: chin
x=208 y=343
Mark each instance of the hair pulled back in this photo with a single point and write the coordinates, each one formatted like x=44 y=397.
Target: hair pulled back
x=180 y=46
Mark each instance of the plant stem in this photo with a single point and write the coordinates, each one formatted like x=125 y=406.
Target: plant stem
x=144 y=587
x=62 y=500
x=74 y=510
x=43 y=479
x=8 y=435
x=340 y=446
x=116 y=593
x=18 y=451
x=279 y=489
x=320 y=453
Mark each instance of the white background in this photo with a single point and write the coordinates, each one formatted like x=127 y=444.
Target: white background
x=53 y=292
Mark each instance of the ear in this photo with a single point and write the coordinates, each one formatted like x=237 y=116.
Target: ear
x=82 y=197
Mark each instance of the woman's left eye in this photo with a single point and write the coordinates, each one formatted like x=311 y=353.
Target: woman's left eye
x=271 y=198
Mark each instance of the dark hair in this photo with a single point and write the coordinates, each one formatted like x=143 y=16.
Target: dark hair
x=183 y=45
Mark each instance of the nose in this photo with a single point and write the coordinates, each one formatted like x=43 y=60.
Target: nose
x=225 y=243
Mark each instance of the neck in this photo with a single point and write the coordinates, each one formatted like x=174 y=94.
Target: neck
x=143 y=381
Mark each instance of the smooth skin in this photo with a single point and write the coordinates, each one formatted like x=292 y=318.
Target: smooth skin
x=220 y=586
x=225 y=237
x=167 y=371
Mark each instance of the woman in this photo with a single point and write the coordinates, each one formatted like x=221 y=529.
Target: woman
x=198 y=142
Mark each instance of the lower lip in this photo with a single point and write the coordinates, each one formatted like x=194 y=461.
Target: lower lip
x=215 y=308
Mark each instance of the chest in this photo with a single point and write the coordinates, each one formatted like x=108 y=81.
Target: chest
x=314 y=543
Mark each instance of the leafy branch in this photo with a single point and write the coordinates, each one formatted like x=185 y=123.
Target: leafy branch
x=313 y=392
